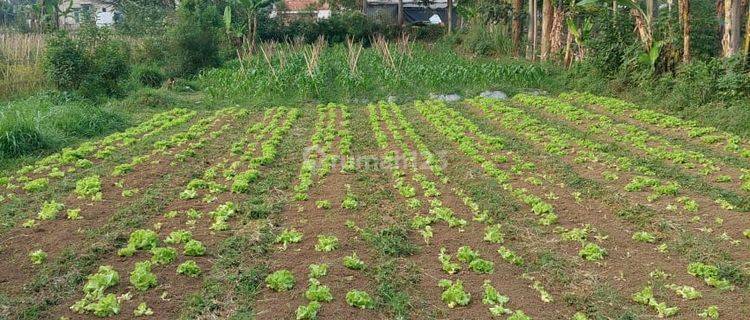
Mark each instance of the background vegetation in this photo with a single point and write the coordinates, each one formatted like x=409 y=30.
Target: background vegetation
x=674 y=56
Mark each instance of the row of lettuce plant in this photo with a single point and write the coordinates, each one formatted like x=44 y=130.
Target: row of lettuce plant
x=692 y=130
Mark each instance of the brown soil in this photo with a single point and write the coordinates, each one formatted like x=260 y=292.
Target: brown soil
x=628 y=264
x=734 y=224
x=96 y=214
x=506 y=278
x=674 y=133
x=724 y=168
x=55 y=236
x=307 y=218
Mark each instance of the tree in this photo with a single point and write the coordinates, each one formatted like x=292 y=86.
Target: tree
x=249 y=10
x=142 y=17
x=531 y=44
x=556 y=30
x=194 y=38
x=546 y=28
x=516 y=27
x=684 y=9
x=576 y=33
x=642 y=24
x=642 y=16
x=730 y=38
x=46 y=13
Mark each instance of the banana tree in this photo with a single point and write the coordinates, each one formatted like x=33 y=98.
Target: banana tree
x=249 y=11
x=47 y=13
x=650 y=57
x=643 y=18
x=577 y=34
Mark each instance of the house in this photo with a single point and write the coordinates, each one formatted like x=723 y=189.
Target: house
x=415 y=11
x=103 y=11
x=301 y=8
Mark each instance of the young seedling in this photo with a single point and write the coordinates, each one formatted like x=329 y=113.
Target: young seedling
x=38 y=256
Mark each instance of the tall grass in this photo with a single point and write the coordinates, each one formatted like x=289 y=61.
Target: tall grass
x=485 y=39
x=292 y=74
x=45 y=122
x=20 y=63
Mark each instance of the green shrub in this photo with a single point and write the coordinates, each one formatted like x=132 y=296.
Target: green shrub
x=143 y=17
x=150 y=98
x=487 y=40
x=92 y=64
x=65 y=62
x=151 y=50
x=194 y=39
x=111 y=65
x=148 y=75
x=607 y=52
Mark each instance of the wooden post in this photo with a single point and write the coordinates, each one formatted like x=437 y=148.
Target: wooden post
x=450 y=16
x=400 y=13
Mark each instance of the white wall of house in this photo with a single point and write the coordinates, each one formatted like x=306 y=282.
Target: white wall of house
x=103 y=12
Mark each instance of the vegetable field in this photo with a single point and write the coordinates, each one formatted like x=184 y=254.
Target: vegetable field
x=537 y=207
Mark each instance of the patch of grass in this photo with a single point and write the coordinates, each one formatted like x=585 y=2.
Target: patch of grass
x=605 y=302
x=47 y=121
x=699 y=247
x=554 y=265
x=80 y=119
x=392 y=284
x=638 y=215
x=256 y=208
x=393 y=242
x=734 y=272
x=149 y=98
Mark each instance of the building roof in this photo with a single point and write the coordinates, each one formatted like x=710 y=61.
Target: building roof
x=301 y=5
x=415 y=3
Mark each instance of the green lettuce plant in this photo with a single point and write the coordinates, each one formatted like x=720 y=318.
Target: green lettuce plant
x=281 y=280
